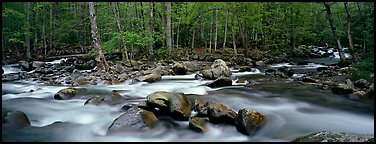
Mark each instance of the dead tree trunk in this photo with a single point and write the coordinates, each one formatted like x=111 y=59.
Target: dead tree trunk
x=101 y=60
x=333 y=27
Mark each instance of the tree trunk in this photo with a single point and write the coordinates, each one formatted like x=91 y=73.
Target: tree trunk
x=101 y=60
x=241 y=28
x=35 y=45
x=193 y=38
x=177 y=38
x=361 y=16
x=51 y=28
x=83 y=40
x=27 y=36
x=348 y=26
x=216 y=28
x=233 y=33
x=151 y=29
x=210 y=33
x=168 y=24
x=225 y=36
x=44 y=34
x=116 y=12
x=333 y=27
x=132 y=27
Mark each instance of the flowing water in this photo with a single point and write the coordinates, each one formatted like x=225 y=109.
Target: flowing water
x=291 y=110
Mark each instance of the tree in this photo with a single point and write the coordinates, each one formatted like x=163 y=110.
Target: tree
x=101 y=60
x=27 y=9
x=333 y=28
x=233 y=32
x=216 y=28
x=151 y=29
x=348 y=25
x=225 y=35
x=167 y=20
x=116 y=12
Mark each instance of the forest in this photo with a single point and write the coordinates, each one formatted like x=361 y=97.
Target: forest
x=234 y=71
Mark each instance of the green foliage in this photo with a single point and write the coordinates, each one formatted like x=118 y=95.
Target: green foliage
x=363 y=69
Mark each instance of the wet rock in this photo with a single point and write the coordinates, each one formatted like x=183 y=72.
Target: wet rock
x=370 y=92
x=37 y=64
x=360 y=94
x=344 y=88
x=328 y=85
x=302 y=63
x=327 y=136
x=270 y=71
x=361 y=83
x=26 y=66
x=122 y=77
x=179 y=69
x=218 y=68
x=200 y=107
x=81 y=81
x=70 y=68
x=245 y=68
x=113 y=99
x=15 y=119
x=248 y=121
x=134 y=118
x=119 y=68
x=286 y=71
x=309 y=80
x=159 y=99
x=198 y=124
x=76 y=73
x=86 y=66
x=180 y=106
x=66 y=93
x=219 y=113
x=150 y=78
x=220 y=82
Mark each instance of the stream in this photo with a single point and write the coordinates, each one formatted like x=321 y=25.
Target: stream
x=291 y=110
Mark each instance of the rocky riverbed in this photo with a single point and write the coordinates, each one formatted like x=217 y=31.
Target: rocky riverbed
x=275 y=99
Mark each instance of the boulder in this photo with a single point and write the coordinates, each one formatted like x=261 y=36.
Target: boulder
x=25 y=66
x=113 y=99
x=361 y=83
x=344 y=88
x=150 y=78
x=270 y=71
x=245 y=68
x=219 y=113
x=200 y=107
x=37 y=64
x=15 y=119
x=327 y=136
x=309 y=80
x=134 y=118
x=217 y=69
x=67 y=93
x=248 y=121
x=198 y=124
x=159 y=99
x=75 y=74
x=180 y=106
x=179 y=69
x=81 y=81
x=286 y=71
x=176 y=104
x=220 y=82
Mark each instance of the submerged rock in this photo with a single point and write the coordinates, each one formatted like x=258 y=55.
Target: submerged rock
x=198 y=124
x=113 y=99
x=326 y=136
x=220 y=82
x=248 y=121
x=134 y=118
x=15 y=119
